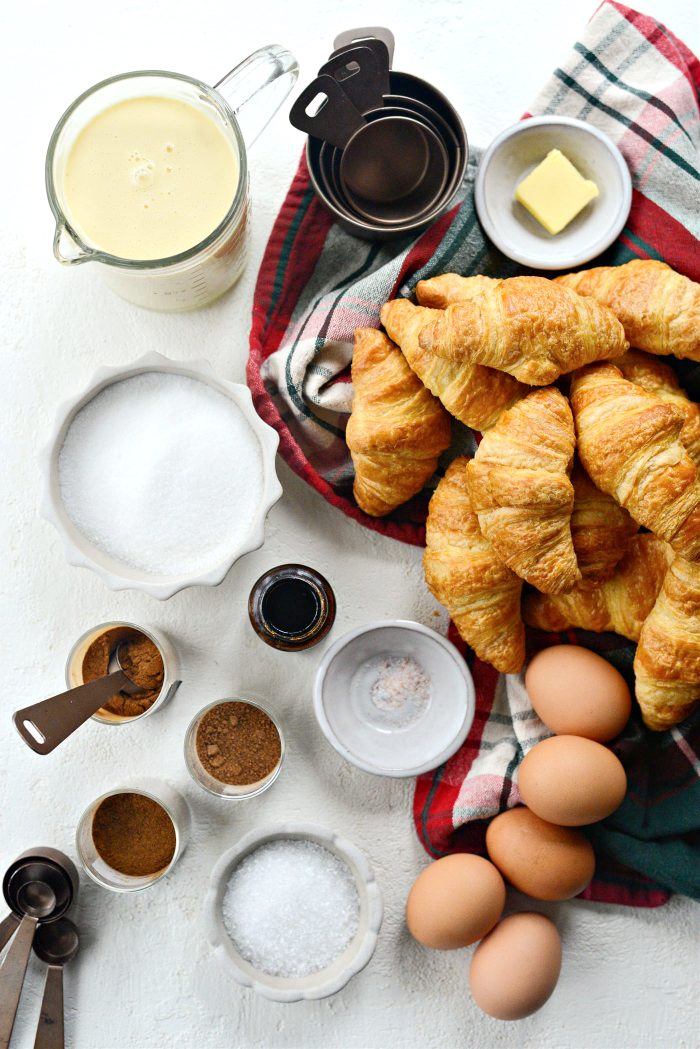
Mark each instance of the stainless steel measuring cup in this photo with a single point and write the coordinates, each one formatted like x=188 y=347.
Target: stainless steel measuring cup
x=39 y=885
x=242 y=103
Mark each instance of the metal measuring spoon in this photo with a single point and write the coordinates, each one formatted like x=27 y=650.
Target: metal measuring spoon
x=44 y=725
x=56 y=944
x=37 y=900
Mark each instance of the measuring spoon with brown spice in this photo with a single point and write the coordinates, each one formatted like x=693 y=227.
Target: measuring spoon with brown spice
x=44 y=725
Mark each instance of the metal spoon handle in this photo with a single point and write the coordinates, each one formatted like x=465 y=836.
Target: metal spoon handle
x=8 y=927
x=12 y=973
x=49 y=1031
x=54 y=719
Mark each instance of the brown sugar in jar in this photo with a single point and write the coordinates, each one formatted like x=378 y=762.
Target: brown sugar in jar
x=140 y=659
x=238 y=743
x=133 y=834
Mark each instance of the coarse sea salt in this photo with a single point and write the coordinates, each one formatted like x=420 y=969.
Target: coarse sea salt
x=291 y=907
x=161 y=472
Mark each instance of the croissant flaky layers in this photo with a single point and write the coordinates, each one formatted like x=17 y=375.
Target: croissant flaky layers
x=397 y=429
x=530 y=327
x=629 y=443
x=658 y=308
x=521 y=492
x=464 y=574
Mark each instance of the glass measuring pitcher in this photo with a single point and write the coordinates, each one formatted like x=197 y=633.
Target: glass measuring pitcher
x=241 y=104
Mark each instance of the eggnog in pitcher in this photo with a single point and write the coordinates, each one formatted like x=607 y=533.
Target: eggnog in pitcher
x=150 y=177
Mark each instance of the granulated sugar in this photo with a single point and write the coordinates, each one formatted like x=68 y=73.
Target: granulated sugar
x=291 y=907
x=161 y=472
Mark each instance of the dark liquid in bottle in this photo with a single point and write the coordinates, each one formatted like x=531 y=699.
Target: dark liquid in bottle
x=291 y=606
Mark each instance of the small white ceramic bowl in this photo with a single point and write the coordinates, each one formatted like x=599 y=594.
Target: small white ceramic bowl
x=118 y=575
x=361 y=732
x=514 y=154
x=356 y=955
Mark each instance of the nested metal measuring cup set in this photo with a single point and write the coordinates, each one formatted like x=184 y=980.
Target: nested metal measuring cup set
x=387 y=152
x=39 y=887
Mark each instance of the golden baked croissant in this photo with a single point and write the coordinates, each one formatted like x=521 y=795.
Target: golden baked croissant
x=463 y=573
x=447 y=288
x=521 y=492
x=659 y=308
x=628 y=442
x=397 y=429
x=667 y=663
x=528 y=326
x=474 y=395
x=659 y=378
x=600 y=529
x=620 y=604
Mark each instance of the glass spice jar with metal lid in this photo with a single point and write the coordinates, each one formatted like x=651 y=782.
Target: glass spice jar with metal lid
x=291 y=607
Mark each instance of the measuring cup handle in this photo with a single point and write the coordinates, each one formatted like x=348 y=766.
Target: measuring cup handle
x=8 y=927
x=49 y=1030
x=12 y=973
x=56 y=718
x=257 y=87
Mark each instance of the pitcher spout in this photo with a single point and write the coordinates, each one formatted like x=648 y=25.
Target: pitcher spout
x=68 y=249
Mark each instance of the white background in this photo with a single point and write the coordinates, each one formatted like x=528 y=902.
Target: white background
x=146 y=977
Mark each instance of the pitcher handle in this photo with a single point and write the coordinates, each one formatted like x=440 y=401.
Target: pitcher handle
x=257 y=87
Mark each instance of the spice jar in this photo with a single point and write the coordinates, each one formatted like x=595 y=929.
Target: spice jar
x=234 y=748
x=89 y=658
x=291 y=607
x=132 y=836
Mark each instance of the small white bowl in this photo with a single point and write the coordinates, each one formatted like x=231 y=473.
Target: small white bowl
x=118 y=575
x=514 y=154
x=360 y=733
x=353 y=959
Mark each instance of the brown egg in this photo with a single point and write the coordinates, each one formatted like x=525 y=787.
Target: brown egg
x=515 y=969
x=570 y=781
x=577 y=693
x=546 y=862
x=455 y=901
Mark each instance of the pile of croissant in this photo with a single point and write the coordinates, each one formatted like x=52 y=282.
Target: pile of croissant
x=564 y=475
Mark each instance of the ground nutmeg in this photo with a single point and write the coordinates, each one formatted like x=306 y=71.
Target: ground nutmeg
x=238 y=743
x=133 y=834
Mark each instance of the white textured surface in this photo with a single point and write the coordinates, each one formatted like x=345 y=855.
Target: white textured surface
x=146 y=977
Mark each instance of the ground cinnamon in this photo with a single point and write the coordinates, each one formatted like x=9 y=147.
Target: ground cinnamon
x=238 y=743
x=133 y=834
x=139 y=658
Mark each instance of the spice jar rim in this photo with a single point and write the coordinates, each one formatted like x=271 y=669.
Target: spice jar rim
x=89 y=814
x=103 y=628
x=190 y=738
x=318 y=629
x=97 y=254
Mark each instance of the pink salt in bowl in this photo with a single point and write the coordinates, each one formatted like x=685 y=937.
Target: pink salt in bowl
x=394 y=698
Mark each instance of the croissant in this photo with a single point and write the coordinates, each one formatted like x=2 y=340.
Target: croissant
x=659 y=308
x=397 y=429
x=447 y=288
x=462 y=571
x=528 y=326
x=600 y=529
x=667 y=663
x=659 y=378
x=475 y=395
x=628 y=442
x=521 y=492
x=620 y=604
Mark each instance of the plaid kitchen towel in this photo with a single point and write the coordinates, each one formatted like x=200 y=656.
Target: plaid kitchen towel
x=629 y=76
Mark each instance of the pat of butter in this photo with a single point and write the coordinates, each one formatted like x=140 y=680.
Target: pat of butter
x=555 y=192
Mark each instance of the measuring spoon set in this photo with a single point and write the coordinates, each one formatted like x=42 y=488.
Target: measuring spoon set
x=386 y=152
x=39 y=887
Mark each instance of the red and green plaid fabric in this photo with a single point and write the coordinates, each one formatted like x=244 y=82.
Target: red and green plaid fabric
x=638 y=83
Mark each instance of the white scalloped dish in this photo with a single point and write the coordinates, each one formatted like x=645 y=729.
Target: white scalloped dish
x=333 y=977
x=117 y=574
